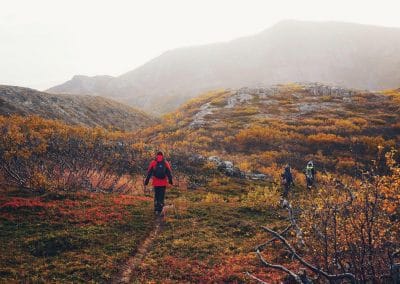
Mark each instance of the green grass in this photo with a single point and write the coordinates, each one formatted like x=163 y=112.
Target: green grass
x=207 y=242
x=200 y=241
x=38 y=246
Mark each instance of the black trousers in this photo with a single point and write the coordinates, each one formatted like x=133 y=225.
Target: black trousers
x=159 y=196
x=310 y=181
x=286 y=190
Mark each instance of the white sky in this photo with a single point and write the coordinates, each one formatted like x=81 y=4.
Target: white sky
x=46 y=42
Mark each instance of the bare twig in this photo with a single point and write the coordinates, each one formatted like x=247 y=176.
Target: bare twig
x=274 y=266
x=256 y=278
x=299 y=233
x=278 y=267
x=330 y=277
x=262 y=246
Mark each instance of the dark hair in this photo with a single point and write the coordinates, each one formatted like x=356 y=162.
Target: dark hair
x=160 y=153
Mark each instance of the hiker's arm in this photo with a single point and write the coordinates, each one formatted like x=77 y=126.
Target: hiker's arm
x=168 y=172
x=149 y=174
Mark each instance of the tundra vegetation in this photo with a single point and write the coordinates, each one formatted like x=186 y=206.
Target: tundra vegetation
x=72 y=207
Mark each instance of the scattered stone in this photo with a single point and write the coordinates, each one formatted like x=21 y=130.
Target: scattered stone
x=198 y=118
x=254 y=176
x=228 y=168
x=239 y=97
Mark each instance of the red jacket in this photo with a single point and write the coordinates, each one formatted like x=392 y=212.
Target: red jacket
x=156 y=181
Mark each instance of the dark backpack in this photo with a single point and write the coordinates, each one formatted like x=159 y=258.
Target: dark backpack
x=160 y=170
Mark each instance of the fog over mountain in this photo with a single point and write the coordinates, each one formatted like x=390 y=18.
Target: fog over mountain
x=345 y=54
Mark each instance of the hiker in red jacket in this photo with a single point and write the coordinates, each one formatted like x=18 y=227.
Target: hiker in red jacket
x=159 y=169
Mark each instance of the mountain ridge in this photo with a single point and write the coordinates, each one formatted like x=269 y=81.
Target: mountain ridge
x=345 y=54
x=73 y=109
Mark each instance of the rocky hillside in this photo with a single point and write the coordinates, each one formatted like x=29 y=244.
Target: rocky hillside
x=72 y=109
x=256 y=127
x=349 y=55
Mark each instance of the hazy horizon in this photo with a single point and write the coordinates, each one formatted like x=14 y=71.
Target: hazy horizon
x=45 y=43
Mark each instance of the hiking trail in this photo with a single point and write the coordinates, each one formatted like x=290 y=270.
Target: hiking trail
x=126 y=274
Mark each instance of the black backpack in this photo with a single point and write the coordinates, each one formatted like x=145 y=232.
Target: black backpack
x=160 y=170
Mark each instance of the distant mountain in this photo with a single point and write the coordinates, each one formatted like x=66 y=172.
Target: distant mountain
x=345 y=54
x=72 y=109
x=81 y=84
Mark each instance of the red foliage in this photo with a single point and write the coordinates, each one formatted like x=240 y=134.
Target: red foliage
x=123 y=199
x=19 y=202
x=87 y=209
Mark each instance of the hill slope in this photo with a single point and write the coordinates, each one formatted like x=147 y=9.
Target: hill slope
x=349 y=55
x=257 y=127
x=72 y=109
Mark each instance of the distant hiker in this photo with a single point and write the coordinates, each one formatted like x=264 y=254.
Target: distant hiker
x=287 y=181
x=309 y=172
x=159 y=170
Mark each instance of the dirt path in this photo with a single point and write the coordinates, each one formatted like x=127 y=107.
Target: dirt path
x=128 y=269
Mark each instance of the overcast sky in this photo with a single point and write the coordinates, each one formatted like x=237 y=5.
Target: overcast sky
x=46 y=42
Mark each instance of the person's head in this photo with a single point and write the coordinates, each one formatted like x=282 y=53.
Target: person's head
x=159 y=156
x=287 y=168
x=310 y=164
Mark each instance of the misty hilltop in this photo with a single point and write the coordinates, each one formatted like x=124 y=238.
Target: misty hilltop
x=72 y=109
x=345 y=54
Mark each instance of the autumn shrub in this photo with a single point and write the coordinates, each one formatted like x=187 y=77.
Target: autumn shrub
x=218 y=181
x=218 y=101
x=351 y=225
x=245 y=111
x=257 y=137
x=181 y=204
x=213 y=198
x=346 y=126
x=346 y=164
x=273 y=170
x=350 y=130
x=326 y=139
x=261 y=198
x=40 y=154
